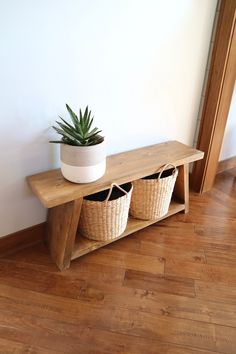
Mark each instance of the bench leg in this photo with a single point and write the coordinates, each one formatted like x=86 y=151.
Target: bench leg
x=182 y=186
x=62 y=226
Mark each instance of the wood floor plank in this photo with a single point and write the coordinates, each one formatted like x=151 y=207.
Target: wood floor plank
x=199 y=215
x=200 y=271
x=221 y=257
x=226 y=199
x=21 y=276
x=38 y=261
x=224 y=293
x=226 y=339
x=39 y=254
x=34 y=332
x=12 y=346
x=198 y=235
x=191 y=241
x=125 y=260
x=164 y=284
x=155 y=249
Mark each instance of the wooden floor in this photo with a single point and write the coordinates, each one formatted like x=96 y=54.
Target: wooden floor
x=170 y=288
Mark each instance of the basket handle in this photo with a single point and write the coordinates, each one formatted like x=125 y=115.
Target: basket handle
x=110 y=191
x=164 y=168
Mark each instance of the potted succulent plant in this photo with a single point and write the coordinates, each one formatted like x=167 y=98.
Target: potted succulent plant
x=83 y=156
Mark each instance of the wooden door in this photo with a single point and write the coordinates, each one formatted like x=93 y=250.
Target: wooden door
x=218 y=96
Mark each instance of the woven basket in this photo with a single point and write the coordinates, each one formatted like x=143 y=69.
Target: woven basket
x=104 y=215
x=152 y=195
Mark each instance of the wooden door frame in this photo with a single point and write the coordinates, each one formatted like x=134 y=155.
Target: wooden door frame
x=220 y=86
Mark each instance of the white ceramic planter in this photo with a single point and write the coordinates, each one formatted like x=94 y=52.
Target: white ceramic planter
x=83 y=164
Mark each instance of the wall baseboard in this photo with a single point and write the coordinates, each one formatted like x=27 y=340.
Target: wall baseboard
x=226 y=164
x=22 y=239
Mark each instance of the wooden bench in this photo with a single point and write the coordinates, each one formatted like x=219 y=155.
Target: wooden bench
x=64 y=199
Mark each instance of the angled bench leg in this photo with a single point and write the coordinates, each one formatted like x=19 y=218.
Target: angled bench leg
x=182 y=186
x=62 y=226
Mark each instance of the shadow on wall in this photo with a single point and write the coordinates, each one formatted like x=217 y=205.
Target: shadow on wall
x=34 y=156
x=39 y=149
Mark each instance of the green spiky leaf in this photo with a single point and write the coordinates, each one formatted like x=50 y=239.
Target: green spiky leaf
x=73 y=116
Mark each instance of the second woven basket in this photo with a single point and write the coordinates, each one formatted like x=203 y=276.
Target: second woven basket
x=152 y=195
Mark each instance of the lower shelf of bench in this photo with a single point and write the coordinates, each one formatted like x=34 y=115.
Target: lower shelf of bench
x=84 y=245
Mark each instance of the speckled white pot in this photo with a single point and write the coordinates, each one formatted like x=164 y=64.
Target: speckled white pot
x=83 y=164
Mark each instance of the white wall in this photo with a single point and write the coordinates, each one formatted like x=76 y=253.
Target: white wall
x=228 y=148
x=139 y=64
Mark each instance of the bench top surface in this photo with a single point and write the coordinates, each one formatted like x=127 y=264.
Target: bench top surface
x=52 y=189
